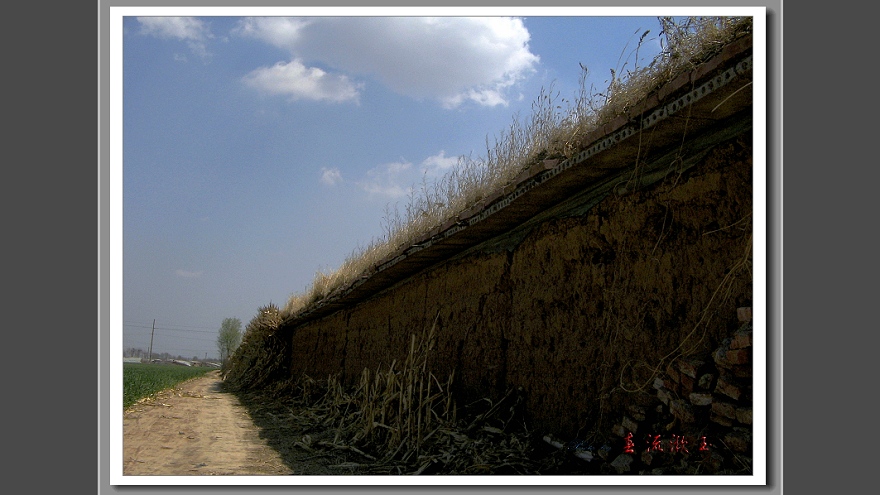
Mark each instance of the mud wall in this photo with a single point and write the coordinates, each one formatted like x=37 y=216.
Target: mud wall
x=582 y=311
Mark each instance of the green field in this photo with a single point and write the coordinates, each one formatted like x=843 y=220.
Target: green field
x=144 y=380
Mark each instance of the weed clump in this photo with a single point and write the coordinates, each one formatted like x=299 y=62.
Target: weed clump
x=262 y=357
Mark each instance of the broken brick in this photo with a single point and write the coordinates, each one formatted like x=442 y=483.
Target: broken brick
x=705 y=381
x=726 y=358
x=629 y=424
x=686 y=385
x=741 y=340
x=728 y=387
x=690 y=366
x=699 y=399
x=725 y=409
x=721 y=420
x=744 y=415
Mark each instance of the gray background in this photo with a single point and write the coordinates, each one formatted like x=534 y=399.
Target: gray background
x=774 y=183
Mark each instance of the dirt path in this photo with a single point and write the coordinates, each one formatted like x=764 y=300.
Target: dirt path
x=200 y=429
x=197 y=429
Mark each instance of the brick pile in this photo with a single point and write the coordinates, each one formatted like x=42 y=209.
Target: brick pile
x=701 y=422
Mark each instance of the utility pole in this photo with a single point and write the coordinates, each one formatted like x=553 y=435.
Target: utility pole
x=150 y=359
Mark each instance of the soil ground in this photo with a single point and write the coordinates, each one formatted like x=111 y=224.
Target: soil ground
x=197 y=429
x=200 y=428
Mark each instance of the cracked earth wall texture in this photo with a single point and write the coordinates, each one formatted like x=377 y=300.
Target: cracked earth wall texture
x=581 y=312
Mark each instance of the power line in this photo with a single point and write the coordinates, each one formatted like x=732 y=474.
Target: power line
x=184 y=337
x=183 y=326
x=176 y=329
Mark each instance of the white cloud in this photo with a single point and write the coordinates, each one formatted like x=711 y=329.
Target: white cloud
x=449 y=59
x=183 y=28
x=392 y=180
x=330 y=176
x=439 y=164
x=397 y=179
x=297 y=81
x=278 y=31
x=187 y=274
x=190 y=29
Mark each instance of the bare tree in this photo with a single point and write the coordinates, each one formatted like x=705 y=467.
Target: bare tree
x=229 y=338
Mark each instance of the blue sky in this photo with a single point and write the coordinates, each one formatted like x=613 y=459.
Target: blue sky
x=258 y=151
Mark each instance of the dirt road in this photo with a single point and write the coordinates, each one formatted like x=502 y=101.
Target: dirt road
x=198 y=429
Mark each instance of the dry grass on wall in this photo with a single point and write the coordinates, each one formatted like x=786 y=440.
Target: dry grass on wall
x=557 y=128
x=262 y=357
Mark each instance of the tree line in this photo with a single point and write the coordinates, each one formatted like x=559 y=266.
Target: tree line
x=164 y=356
